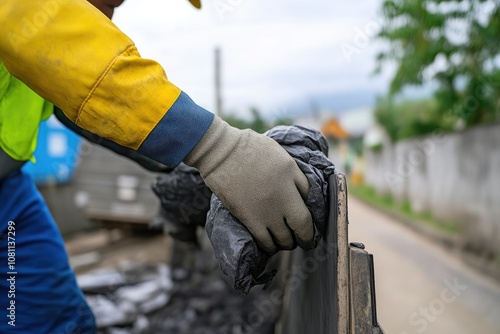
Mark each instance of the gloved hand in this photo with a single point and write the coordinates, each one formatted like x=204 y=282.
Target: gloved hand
x=258 y=182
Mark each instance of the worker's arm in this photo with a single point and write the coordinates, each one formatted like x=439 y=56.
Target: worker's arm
x=72 y=55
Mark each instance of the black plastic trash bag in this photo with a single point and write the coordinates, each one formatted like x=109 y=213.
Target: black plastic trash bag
x=242 y=263
x=185 y=200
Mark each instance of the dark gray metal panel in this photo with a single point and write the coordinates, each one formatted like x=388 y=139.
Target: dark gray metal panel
x=317 y=293
x=331 y=289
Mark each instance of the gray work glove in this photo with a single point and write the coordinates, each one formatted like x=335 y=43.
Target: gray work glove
x=258 y=181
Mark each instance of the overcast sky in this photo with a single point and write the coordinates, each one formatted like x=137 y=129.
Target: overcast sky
x=275 y=53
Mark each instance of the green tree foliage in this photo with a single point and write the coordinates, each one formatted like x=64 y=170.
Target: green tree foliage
x=409 y=119
x=257 y=122
x=453 y=43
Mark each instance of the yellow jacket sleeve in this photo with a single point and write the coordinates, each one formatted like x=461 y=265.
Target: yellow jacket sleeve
x=73 y=56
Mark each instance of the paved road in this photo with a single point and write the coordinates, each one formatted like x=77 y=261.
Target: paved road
x=421 y=287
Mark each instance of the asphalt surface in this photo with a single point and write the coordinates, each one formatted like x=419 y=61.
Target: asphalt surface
x=422 y=287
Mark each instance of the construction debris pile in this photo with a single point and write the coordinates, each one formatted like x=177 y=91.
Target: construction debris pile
x=140 y=299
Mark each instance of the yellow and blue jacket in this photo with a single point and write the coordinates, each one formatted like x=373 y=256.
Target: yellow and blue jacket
x=73 y=56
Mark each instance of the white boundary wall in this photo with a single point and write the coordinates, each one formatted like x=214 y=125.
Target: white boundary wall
x=455 y=176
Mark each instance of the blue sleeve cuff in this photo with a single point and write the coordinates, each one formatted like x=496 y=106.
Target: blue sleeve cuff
x=177 y=133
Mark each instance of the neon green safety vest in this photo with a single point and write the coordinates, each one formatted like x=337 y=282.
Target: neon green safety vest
x=21 y=111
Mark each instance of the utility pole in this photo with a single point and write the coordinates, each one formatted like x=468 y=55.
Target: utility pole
x=218 y=91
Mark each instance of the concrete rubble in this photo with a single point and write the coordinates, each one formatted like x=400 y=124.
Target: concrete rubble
x=190 y=298
x=123 y=297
